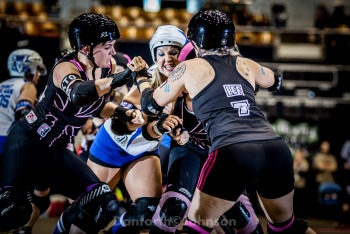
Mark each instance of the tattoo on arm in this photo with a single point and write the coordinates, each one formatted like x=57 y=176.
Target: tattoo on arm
x=262 y=71
x=178 y=72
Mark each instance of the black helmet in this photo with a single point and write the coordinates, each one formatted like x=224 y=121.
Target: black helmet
x=91 y=29
x=211 y=29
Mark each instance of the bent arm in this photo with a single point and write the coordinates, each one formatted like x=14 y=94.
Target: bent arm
x=154 y=101
x=26 y=100
x=83 y=92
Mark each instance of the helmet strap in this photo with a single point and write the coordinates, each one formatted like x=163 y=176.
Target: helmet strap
x=91 y=58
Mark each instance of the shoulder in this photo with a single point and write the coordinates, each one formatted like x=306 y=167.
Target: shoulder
x=195 y=65
x=63 y=69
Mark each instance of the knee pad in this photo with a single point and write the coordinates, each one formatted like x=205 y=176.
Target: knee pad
x=239 y=214
x=242 y=218
x=43 y=203
x=172 y=209
x=140 y=214
x=15 y=209
x=296 y=226
x=97 y=208
x=67 y=218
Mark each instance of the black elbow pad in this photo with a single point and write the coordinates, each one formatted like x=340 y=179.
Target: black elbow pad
x=83 y=92
x=278 y=82
x=148 y=105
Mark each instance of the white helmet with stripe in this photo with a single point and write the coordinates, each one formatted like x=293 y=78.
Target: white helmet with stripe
x=167 y=35
x=24 y=62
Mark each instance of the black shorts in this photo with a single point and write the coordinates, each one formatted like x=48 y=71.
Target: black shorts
x=229 y=170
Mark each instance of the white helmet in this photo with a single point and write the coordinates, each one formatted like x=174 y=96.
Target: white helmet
x=25 y=62
x=167 y=35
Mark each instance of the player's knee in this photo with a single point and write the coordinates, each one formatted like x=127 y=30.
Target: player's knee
x=295 y=226
x=96 y=209
x=240 y=214
x=67 y=218
x=141 y=212
x=43 y=203
x=173 y=208
x=15 y=209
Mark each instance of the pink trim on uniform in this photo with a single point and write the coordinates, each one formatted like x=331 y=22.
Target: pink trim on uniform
x=127 y=57
x=208 y=165
x=185 y=51
x=280 y=229
x=77 y=64
x=196 y=227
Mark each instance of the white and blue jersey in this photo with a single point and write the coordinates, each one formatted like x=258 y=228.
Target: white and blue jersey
x=9 y=92
x=113 y=150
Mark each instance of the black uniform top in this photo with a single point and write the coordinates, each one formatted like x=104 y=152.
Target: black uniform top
x=198 y=136
x=227 y=107
x=55 y=119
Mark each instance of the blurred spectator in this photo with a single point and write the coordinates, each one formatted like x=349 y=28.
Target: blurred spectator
x=325 y=164
x=241 y=15
x=339 y=19
x=321 y=16
x=301 y=170
x=279 y=14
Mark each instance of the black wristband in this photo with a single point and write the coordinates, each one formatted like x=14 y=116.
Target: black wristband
x=120 y=78
x=159 y=124
x=138 y=83
x=277 y=84
x=142 y=73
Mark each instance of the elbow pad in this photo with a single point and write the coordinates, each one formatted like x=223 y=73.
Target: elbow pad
x=278 y=82
x=83 y=92
x=148 y=105
x=23 y=107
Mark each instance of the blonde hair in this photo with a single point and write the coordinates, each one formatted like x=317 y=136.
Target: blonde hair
x=233 y=51
x=157 y=78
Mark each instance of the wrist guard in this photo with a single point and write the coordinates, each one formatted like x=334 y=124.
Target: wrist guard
x=158 y=126
x=146 y=135
x=120 y=120
x=138 y=83
x=173 y=131
x=278 y=82
x=120 y=79
x=148 y=105
x=136 y=74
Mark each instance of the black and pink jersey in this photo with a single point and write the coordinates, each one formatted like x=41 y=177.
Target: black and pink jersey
x=198 y=136
x=227 y=107
x=55 y=118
